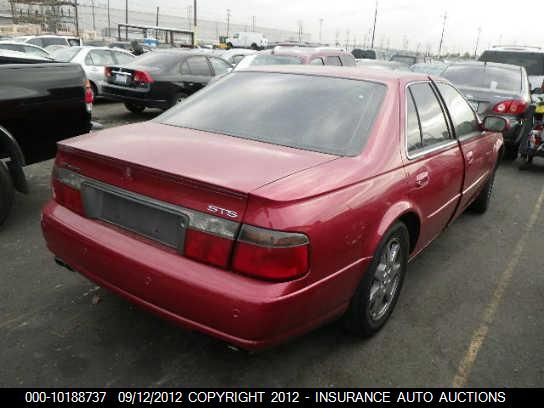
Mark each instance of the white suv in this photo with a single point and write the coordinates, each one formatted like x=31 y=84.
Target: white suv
x=255 y=41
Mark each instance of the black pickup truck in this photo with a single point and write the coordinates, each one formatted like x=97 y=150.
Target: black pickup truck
x=41 y=103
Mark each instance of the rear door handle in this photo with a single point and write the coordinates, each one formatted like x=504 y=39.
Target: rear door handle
x=422 y=179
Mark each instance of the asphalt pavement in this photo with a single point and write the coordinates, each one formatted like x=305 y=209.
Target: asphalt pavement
x=470 y=313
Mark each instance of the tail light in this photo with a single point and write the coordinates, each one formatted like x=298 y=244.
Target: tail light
x=258 y=252
x=142 y=77
x=271 y=255
x=535 y=139
x=89 y=96
x=512 y=107
x=108 y=72
x=67 y=189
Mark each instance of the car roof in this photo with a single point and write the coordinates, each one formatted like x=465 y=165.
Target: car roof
x=304 y=51
x=516 y=48
x=357 y=73
x=486 y=64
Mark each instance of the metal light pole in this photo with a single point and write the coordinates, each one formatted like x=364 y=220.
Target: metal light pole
x=320 y=30
x=157 y=19
x=374 y=27
x=77 y=18
x=94 y=21
x=109 y=20
x=477 y=42
x=228 y=22
x=126 y=19
x=442 y=37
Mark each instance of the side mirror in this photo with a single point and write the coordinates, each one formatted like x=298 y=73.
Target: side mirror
x=495 y=124
x=536 y=91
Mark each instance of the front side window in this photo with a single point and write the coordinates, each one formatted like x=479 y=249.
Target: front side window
x=317 y=61
x=434 y=128
x=323 y=114
x=199 y=66
x=463 y=117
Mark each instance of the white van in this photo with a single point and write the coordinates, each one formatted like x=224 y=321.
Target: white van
x=255 y=41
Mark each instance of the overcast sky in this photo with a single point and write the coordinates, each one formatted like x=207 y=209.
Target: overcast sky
x=411 y=22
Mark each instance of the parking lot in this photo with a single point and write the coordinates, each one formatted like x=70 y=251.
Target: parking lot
x=470 y=312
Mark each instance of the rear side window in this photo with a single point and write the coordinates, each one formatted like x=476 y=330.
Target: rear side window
x=463 y=117
x=53 y=41
x=333 y=61
x=36 y=51
x=533 y=62
x=487 y=78
x=219 y=66
x=323 y=114
x=317 y=61
x=199 y=66
x=434 y=128
x=36 y=41
x=413 y=131
x=347 y=61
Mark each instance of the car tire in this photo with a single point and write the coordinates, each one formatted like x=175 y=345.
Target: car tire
x=254 y=47
x=526 y=162
x=511 y=153
x=382 y=281
x=7 y=192
x=229 y=46
x=481 y=204
x=134 y=107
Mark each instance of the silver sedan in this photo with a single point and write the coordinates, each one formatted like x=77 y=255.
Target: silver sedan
x=93 y=60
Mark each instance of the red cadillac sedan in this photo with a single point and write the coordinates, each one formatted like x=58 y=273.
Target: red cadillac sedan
x=274 y=200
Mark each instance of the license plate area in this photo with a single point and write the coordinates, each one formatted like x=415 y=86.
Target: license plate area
x=161 y=224
x=121 y=79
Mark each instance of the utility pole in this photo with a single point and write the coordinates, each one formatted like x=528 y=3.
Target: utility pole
x=300 y=31
x=126 y=19
x=157 y=19
x=477 y=42
x=320 y=30
x=228 y=22
x=94 y=21
x=190 y=17
x=253 y=23
x=442 y=37
x=109 y=20
x=77 y=18
x=374 y=27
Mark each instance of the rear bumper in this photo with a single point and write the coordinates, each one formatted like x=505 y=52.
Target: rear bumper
x=142 y=97
x=242 y=311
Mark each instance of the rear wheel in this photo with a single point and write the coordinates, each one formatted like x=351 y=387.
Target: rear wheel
x=229 y=46
x=134 y=107
x=254 y=46
x=94 y=89
x=7 y=192
x=379 y=290
x=511 y=152
x=481 y=203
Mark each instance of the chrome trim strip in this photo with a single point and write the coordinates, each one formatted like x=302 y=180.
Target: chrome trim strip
x=476 y=183
x=444 y=206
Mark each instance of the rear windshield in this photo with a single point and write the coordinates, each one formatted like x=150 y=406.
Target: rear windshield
x=327 y=115
x=405 y=59
x=533 y=63
x=66 y=54
x=266 y=59
x=158 y=59
x=485 y=78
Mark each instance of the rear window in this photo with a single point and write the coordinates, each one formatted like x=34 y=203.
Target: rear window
x=327 y=115
x=66 y=54
x=485 y=78
x=158 y=59
x=533 y=63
